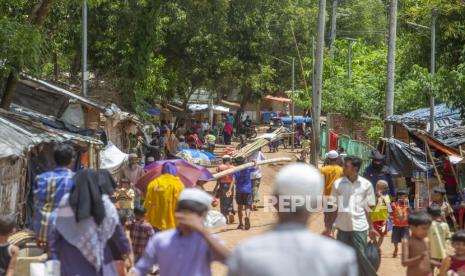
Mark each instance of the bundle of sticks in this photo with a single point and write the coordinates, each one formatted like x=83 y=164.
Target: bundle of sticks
x=258 y=143
x=250 y=164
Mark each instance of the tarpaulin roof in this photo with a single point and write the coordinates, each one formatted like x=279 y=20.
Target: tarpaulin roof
x=443 y=116
x=297 y=120
x=18 y=134
x=278 y=99
x=205 y=107
x=404 y=159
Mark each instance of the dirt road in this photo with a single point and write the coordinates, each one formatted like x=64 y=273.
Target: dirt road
x=262 y=221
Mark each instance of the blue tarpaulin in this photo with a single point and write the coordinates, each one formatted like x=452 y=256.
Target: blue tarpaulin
x=153 y=111
x=297 y=120
x=197 y=154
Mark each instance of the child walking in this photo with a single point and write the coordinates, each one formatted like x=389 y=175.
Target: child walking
x=8 y=252
x=189 y=249
x=379 y=213
x=125 y=196
x=455 y=265
x=415 y=251
x=399 y=217
x=140 y=232
x=222 y=189
x=438 y=233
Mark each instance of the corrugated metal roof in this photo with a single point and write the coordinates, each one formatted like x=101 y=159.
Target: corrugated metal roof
x=444 y=116
x=18 y=134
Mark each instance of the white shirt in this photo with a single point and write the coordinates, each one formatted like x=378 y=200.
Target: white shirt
x=352 y=199
x=291 y=249
x=257 y=156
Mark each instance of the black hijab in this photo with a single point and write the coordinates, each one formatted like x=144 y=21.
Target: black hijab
x=86 y=196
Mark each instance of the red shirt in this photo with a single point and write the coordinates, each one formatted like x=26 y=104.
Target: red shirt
x=457 y=266
x=227 y=178
x=399 y=214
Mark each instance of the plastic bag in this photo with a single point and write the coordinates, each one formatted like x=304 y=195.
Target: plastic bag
x=373 y=255
x=214 y=219
x=49 y=268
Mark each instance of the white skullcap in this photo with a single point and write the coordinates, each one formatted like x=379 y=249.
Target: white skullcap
x=226 y=156
x=332 y=154
x=196 y=195
x=150 y=159
x=300 y=180
x=133 y=155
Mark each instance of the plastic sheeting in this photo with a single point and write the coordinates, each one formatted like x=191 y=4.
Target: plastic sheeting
x=74 y=115
x=404 y=159
x=112 y=158
x=204 y=107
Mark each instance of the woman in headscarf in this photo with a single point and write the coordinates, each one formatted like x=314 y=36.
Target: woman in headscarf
x=87 y=233
x=161 y=198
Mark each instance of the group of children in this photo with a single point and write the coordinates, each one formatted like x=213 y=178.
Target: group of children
x=422 y=233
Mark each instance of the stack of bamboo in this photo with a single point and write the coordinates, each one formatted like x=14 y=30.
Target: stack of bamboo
x=249 y=149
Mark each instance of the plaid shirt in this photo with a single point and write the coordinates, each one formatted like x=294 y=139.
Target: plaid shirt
x=49 y=188
x=140 y=231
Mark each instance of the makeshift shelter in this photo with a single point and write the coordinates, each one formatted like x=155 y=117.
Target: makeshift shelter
x=70 y=109
x=26 y=149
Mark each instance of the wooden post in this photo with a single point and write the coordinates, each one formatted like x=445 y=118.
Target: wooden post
x=438 y=176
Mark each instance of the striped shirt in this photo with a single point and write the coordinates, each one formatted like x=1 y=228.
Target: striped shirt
x=49 y=188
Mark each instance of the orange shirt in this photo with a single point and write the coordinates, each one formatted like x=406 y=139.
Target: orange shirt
x=399 y=214
x=331 y=173
x=227 y=178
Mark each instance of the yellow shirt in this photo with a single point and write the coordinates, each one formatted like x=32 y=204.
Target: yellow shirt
x=125 y=198
x=437 y=235
x=331 y=173
x=161 y=200
x=380 y=211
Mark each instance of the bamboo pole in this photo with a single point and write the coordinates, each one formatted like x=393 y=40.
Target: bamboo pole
x=251 y=164
x=438 y=176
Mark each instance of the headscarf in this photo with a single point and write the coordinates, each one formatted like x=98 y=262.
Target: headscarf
x=106 y=182
x=86 y=196
x=169 y=168
x=86 y=235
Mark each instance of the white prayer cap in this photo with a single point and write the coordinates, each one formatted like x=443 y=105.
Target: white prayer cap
x=196 y=195
x=300 y=180
x=150 y=159
x=133 y=155
x=226 y=156
x=332 y=154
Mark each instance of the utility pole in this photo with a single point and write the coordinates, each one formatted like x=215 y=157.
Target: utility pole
x=293 y=104
x=433 y=69
x=389 y=109
x=318 y=78
x=85 y=74
x=333 y=28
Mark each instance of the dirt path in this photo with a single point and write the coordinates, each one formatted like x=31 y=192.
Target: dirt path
x=262 y=221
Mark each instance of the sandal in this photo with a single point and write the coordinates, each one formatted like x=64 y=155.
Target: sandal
x=240 y=227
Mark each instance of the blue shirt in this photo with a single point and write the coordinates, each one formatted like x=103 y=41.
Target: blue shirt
x=176 y=255
x=243 y=180
x=49 y=188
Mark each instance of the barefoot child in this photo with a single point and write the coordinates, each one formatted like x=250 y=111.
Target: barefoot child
x=455 y=265
x=399 y=217
x=243 y=183
x=438 y=233
x=379 y=213
x=415 y=251
x=8 y=252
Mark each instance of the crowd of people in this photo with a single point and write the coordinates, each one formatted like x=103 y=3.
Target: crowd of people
x=96 y=226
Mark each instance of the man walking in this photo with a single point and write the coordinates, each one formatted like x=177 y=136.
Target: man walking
x=330 y=172
x=290 y=248
x=243 y=183
x=353 y=196
x=49 y=188
x=377 y=170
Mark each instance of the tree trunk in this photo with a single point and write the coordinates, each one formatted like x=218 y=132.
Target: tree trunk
x=9 y=92
x=36 y=18
x=39 y=14
x=246 y=91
